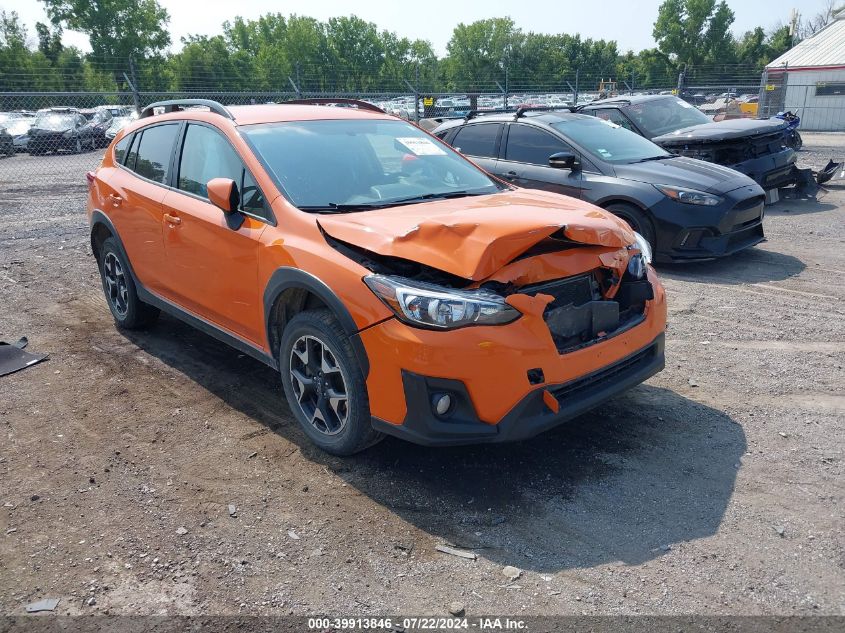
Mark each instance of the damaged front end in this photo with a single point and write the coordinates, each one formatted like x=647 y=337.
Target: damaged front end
x=584 y=293
x=507 y=324
x=756 y=149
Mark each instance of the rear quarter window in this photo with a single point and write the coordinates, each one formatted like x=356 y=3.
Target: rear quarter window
x=478 y=140
x=121 y=149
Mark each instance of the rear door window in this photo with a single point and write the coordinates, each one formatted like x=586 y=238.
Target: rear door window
x=478 y=140
x=527 y=144
x=155 y=151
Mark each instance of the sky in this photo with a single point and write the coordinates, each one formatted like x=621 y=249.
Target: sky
x=629 y=22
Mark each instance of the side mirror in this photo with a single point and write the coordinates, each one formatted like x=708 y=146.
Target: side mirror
x=564 y=160
x=223 y=193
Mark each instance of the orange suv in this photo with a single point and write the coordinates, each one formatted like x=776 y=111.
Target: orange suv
x=398 y=288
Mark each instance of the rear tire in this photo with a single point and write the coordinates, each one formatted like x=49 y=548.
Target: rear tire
x=324 y=384
x=636 y=219
x=129 y=312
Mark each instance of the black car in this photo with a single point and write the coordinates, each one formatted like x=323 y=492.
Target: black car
x=60 y=129
x=686 y=209
x=754 y=147
x=7 y=144
x=100 y=120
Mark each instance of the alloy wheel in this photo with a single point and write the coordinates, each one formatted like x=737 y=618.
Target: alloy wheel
x=319 y=385
x=116 y=288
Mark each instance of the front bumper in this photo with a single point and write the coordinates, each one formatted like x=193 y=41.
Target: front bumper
x=531 y=415
x=770 y=171
x=686 y=233
x=52 y=143
x=499 y=374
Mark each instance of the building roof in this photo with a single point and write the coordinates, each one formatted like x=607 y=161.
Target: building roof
x=825 y=49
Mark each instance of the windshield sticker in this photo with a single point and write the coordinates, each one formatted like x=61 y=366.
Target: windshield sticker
x=604 y=152
x=421 y=146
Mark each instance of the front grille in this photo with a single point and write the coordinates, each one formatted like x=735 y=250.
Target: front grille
x=574 y=291
x=580 y=316
x=749 y=203
x=608 y=374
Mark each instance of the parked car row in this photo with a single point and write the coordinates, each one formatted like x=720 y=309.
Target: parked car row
x=60 y=129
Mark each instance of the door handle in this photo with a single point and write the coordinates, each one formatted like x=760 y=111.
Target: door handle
x=172 y=219
x=510 y=175
x=115 y=199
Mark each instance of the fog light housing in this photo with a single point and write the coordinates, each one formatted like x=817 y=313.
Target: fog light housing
x=441 y=403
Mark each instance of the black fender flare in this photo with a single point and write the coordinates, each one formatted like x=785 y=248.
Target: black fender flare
x=285 y=278
x=99 y=218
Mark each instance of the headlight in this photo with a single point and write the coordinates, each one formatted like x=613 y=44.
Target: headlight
x=689 y=196
x=434 y=306
x=645 y=248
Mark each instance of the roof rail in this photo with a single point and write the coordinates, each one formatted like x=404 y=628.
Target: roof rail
x=177 y=105
x=361 y=105
x=517 y=111
x=474 y=113
x=521 y=110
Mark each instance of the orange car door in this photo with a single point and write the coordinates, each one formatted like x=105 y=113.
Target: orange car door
x=212 y=259
x=135 y=201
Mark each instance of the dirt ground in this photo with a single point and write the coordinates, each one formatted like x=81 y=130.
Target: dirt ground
x=716 y=488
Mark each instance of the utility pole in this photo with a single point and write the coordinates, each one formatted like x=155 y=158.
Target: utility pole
x=577 y=75
x=132 y=80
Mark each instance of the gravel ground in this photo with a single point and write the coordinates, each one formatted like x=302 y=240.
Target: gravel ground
x=714 y=488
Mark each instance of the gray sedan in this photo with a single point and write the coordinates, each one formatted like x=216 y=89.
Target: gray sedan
x=686 y=208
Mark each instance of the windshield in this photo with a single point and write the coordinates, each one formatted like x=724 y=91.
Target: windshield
x=609 y=142
x=331 y=164
x=661 y=116
x=53 y=121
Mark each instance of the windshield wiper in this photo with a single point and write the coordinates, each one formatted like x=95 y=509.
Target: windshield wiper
x=660 y=157
x=437 y=196
x=335 y=207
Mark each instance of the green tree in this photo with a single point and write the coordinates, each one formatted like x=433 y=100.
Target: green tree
x=478 y=53
x=694 y=32
x=117 y=29
x=49 y=42
x=15 y=57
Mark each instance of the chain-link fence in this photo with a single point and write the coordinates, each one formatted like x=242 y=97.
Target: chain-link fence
x=80 y=124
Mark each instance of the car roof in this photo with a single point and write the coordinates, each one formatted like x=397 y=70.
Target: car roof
x=274 y=113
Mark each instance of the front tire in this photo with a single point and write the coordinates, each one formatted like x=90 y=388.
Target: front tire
x=324 y=384
x=129 y=312
x=636 y=219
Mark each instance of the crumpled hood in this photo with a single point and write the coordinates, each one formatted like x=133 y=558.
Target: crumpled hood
x=720 y=131
x=475 y=236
